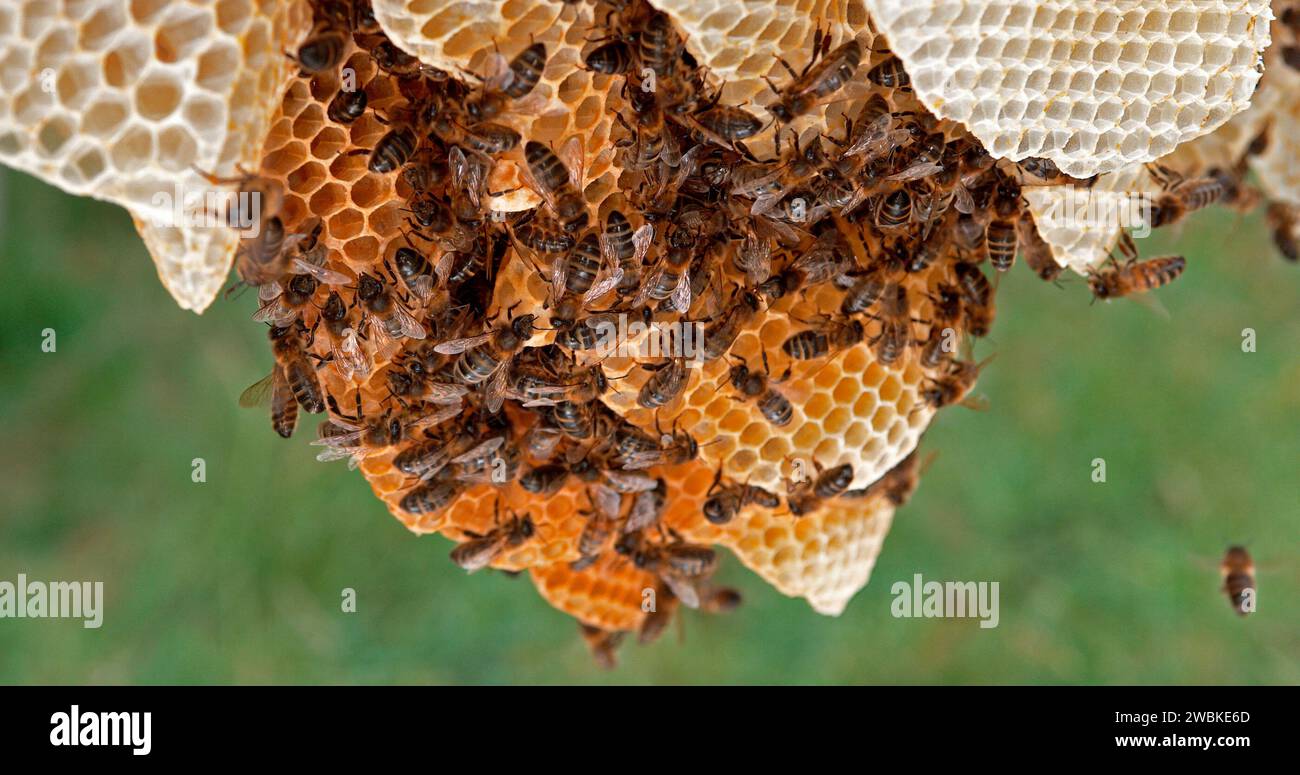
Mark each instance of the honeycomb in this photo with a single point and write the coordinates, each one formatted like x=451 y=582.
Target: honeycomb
x=1094 y=86
x=842 y=390
x=121 y=101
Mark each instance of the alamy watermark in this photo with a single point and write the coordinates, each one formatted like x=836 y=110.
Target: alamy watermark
x=53 y=600
x=204 y=208
x=946 y=600
x=622 y=337
x=1086 y=210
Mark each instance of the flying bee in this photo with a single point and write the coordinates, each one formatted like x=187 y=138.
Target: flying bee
x=1133 y=277
x=666 y=383
x=558 y=179
x=481 y=550
x=955 y=385
x=385 y=315
x=1238 y=572
x=807 y=496
x=291 y=383
x=485 y=358
x=324 y=47
x=890 y=74
x=602 y=523
x=626 y=249
x=819 y=79
x=898 y=483
x=347 y=106
x=772 y=404
x=1283 y=219
x=895 y=334
x=726 y=500
x=1182 y=196
x=829 y=336
x=509 y=82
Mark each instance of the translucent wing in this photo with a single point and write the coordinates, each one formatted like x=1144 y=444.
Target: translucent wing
x=683 y=588
x=258 y=394
x=604 y=286
x=443 y=413
x=494 y=392
x=631 y=482
x=642 y=239
x=484 y=448
x=916 y=172
x=406 y=324
x=326 y=276
x=498 y=75
x=571 y=153
x=457 y=346
x=681 y=297
x=605 y=500
x=559 y=276
x=444 y=392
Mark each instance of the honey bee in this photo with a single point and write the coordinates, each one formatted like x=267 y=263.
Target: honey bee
x=1282 y=219
x=541 y=234
x=728 y=124
x=658 y=44
x=291 y=383
x=323 y=49
x=679 y=565
x=894 y=211
x=1132 y=277
x=393 y=150
x=1238 y=572
x=432 y=497
x=653 y=140
x=819 y=79
x=1000 y=237
x=257 y=200
x=347 y=106
x=876 y=130
x=666 y=383
x=602 y=523
x=385 y=316
x=509 y=82
x=774 y=406
x=1044 y=169
x=262 y=259
x=674 y=449
x=485 y=358
x=603 y=644
x=481 y=550
x=576 y=273
x=1182 y=196
x=976 y=297
x=898 y=483
x=865 y=289
x=610 y=58
x=1038 y=254
x=829 y=336
x=345 y=348
x=427 y=458
x=726 y=500
x=721 y=333
x=656 y=621
x=626 y=249
x=895 y=334
x=890 y=74
x=720 y=600
x=558 y=179
x=954 y=386
x=670 y=280
x=807 y=496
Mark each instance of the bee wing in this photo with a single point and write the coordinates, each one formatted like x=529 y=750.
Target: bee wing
x=606 y=500
x=340 y=441
x=643 y=292
x=443 y=267
x=642 y=459
x=491 y=445
x=457 y=346
x=534 y=104
x=348 y=356
x=963 y=201
x=258 y=394
x=916 y=172
x=274 y=311
x=631 y=482
x=604 y=286
x=681 y=298
x=444 y=392
x=642 y=239
x=336 y=453
x=559 y=276
x=498 y=75
x=494 y=392
x=765 y=204
x=269 y=291
x=326 y=276
x=478 y=553
x=683 y=588
x=531 y=184
x=571 y=153
x=409 y=326
x=441 y=414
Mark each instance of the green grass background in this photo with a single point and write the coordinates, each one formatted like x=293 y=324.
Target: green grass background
x=239 y=579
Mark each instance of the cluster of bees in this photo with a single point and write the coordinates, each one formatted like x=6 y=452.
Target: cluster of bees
x=896 y=210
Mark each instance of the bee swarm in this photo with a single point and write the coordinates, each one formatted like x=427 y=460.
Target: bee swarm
x=454 y=202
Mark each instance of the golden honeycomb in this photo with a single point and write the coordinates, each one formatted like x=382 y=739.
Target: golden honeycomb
x=852 y=409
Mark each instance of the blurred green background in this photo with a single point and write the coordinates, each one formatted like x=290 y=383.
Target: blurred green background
x=239 y=579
